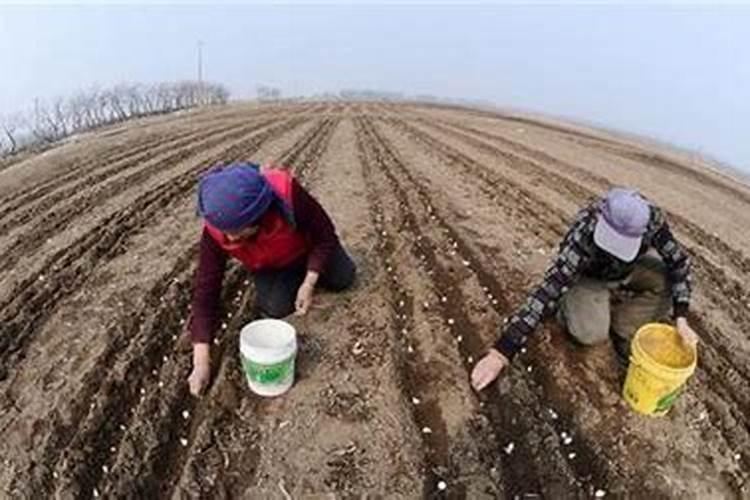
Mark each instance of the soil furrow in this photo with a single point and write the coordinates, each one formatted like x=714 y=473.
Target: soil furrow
x=145 y=342
x=164 y=459
x=307 y=149
x=730 y=287
x=498 y=188
x=58 y=220
x=170 y=457
x=722 y=288
x=64 y=429
x=303 y=165
x=119 y=390
x=70 y=170
x=89 y=175
x=345 y=416
x=634 y=153
x=291 y=156
x=516 y=154
x=590 y=469
x=435 y=458
x=60 y=255
x=116 y=154
x=709 y=356
x=160 y=441
x=450 y=219
x=716 y=277
x=624 y=150
x=527 y=121
x=37 y=296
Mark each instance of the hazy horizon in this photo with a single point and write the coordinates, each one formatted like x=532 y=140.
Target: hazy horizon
x=678 y=74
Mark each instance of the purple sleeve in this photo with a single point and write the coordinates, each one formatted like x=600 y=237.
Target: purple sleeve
x=207 y=290
x=312 y=219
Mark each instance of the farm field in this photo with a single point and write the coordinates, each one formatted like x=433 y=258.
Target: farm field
x=452 y=215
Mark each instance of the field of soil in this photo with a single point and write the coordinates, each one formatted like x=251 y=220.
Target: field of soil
x=452 y=215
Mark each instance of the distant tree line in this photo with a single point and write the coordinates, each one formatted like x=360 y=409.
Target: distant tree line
x=370 y=95
x=267 y=93
x=51 y=121
x=389 y=96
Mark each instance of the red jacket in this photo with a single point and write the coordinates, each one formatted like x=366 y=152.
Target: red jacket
x=277 y=243
x=311 y=220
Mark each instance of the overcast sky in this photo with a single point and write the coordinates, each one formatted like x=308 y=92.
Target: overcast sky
x=680 y=74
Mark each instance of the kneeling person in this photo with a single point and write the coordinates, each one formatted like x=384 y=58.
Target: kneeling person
x=279 y=232
x=618 y=267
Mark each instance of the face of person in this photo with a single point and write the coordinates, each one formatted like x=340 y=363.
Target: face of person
x=242 y=234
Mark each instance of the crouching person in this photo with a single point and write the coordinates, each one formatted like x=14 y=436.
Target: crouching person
x=279 y=232
x=618 y=267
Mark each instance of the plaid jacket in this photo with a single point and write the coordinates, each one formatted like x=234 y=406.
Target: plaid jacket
x=579 y=256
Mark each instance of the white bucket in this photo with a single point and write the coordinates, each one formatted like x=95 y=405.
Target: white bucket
x=268 y=348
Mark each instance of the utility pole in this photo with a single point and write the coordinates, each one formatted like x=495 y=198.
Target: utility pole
x=200 y=62
x=200 y=72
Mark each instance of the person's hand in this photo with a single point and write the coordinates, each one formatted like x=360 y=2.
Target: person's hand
x=487 y=369
x=688 y=335
x=304 y=298
x=199 y=378
x=201 y=374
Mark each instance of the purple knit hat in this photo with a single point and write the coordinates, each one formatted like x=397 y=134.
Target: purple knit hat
x=234 y=197
x=621 y=224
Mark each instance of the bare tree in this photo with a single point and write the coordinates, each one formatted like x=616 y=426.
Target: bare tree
x=132 y=100
x=90 y=111
x=11 y=125
x=149 y=99
x=44 y=124
x=61 y=118
x=217 y=94
x=76 y=109
x=95 y=107
x=116 y=110
x=5 y=145
x=266 y=93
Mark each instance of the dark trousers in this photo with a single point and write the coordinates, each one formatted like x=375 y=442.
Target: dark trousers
x=276 y=290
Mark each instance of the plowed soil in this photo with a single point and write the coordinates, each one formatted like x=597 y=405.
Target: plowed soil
x=452 y=215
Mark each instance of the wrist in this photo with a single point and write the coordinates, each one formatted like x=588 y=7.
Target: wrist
x=498 y=355
x=311 y=279
x=201 y=354
x=680 y=310
x=506 y=347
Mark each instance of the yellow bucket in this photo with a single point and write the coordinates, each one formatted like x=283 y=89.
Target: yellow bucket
x=660 y=364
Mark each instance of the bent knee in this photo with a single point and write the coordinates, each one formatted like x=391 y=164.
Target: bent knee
x=341 y=281
x=589 y=333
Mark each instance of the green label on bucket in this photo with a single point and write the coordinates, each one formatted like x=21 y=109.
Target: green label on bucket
x=667 y=401
x=268 y=374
